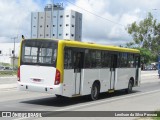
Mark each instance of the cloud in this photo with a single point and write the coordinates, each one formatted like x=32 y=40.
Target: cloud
x=118 y=14
x=15 y=18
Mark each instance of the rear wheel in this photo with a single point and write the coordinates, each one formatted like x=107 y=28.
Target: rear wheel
x=95 y=91
x=130 y=86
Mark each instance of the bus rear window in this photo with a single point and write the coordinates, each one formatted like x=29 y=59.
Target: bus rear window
x=39 y=52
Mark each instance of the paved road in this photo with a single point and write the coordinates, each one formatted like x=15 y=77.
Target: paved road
x=145 y=97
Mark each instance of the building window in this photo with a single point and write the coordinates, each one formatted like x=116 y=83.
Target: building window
x=40 y=26
x=67 y=24
x=54 y=25
x=41 y=17
x=67 y=15
x=61 y=16
x=41 y=35
x=47 y=34
x=72 y=35
x=34 y=17
x=72 y=25
x=54 y=16
x=34 y=26
x=60 y=34
x=60 y=25
x=0 y=52
x=47 y=25
x=12 y=51
x=66 y=34
x=53 y=34
x=73 y=16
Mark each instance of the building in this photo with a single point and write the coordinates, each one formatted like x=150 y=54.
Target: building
x=7 y=53
x=56 y=23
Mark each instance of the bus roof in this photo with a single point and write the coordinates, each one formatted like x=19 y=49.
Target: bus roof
x=72 y=43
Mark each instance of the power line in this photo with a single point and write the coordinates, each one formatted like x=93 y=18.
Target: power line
x=96 y=14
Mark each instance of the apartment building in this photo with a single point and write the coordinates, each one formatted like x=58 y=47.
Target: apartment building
x=55 y=22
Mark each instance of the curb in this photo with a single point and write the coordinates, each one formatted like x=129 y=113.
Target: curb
x=8 y=86
x=8 y=77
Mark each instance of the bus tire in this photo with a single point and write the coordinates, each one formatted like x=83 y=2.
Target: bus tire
x=130 y=86
x=95 y=90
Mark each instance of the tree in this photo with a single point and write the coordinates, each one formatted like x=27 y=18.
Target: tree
x=146 y=55
x=146 y=35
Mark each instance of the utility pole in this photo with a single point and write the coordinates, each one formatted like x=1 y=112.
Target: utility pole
x=14 y=38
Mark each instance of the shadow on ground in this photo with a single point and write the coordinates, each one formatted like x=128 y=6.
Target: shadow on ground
x=62 y=102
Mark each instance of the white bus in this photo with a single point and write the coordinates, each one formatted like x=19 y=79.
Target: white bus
x=71 y=68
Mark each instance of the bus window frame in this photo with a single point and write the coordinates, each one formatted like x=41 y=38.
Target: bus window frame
x=40 y=64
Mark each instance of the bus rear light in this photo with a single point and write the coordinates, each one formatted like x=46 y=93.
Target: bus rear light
x=57 y=77
x=18 y=74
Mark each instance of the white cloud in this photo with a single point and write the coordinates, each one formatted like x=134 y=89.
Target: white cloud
x=122 y=12
x=15 y=18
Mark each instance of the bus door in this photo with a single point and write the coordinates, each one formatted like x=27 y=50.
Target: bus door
x=112 y=70
x=78 y=65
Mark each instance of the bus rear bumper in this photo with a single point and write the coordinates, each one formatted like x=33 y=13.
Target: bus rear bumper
x=41 y=89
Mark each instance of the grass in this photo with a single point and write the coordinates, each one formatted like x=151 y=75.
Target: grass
x=7 y=73
x=157 y=118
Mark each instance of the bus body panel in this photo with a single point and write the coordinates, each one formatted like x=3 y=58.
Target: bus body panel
x=139 y=77
x=123 y=78
x=38 y=78
x=105 y=79
x=89 y=76
x=68 y=83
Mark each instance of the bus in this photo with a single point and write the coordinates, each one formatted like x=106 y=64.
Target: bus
x=71 y=68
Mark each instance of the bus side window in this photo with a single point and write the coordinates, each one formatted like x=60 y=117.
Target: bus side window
x=106 y=59
x=98 y=59
x=87 y=62
x=130 y=60
x=137 y=61
x=68 y=59
x=93 y=58
x=124 y=60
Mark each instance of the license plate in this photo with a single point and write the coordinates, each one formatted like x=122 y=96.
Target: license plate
x=36 y=80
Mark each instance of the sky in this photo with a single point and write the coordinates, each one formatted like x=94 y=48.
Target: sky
x=104 y=21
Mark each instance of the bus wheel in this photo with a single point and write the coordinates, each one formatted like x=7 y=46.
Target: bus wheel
x=130 y=86
x=95 y=91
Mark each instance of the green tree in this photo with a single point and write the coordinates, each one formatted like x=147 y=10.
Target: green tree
x=146 y=35
x=146 y=55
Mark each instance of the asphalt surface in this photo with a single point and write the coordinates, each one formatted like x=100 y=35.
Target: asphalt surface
x=145 y=97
